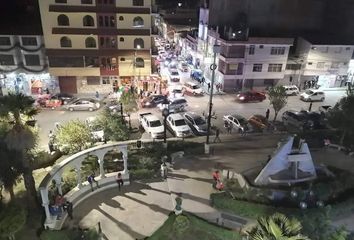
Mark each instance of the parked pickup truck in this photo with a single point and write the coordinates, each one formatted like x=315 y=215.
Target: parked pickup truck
x=152 y=125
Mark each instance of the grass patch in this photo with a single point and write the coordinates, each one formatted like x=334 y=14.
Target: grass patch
x=192 y=228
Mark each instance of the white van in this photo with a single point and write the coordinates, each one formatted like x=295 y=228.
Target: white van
x=193 y=88
x=291 y=90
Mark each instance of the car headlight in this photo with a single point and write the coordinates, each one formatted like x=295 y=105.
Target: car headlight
x=147 y=103
x=242 y=98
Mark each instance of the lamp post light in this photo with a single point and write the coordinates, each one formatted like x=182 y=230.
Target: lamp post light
x=216 y=49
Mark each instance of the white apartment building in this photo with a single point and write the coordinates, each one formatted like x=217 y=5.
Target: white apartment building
x=24 y=65
x=256 y=63
x=328 y=64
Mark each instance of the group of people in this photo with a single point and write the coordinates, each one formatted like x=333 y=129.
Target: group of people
x=61 y=205
x=91 y=180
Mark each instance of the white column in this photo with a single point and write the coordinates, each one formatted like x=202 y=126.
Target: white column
x=57 y=179
x=100 y=156
x=124 y=151
x=45 y=202
x=78 y=176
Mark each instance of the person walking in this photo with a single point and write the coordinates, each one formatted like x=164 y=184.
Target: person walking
x=267 y=114
x=217 y=133
x=216 y=178
x=51 y=142
x=310 y=107
x=91 y=179
x=68 y=207
x=209 y=86
x=119 y=180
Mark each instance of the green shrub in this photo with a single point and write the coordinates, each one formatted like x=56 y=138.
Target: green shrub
x=12 y=219
x=69 y=235
x=181 y=224
x=140 y=174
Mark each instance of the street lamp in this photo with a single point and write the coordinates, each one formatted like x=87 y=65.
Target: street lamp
x=216 y=49
x=179 y=4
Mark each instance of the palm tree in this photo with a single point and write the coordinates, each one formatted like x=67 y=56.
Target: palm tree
x=19 y=111
x=277 y=227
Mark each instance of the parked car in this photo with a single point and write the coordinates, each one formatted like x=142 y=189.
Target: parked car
x=174 y=105
x=152 y=125
x=173 y=65
x=237 y=121
x=81 y=104
x=178 y=125
x=311 y=95
x=304 y=120
x=152 y=101
x=193 y=88
x=63 y=97
x=197 y=74
x=114 y=107
x=174 y=75
x=250 y=96
x=97 y=132
x=196 y=122
x=291 y=90
x=259 y=122
x=183 y=66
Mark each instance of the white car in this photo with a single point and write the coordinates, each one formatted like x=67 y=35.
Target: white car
x=237 y=121
x=311 y=95
x=193 y=88
x=291 y=90
x=183 y=66
x=178 y=125
x=97 y=132
x=152 y=125
x=174 y=75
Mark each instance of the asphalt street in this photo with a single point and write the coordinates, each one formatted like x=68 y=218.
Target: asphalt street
x=222 y=104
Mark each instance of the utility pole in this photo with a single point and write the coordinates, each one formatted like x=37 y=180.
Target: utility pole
x=216 y=49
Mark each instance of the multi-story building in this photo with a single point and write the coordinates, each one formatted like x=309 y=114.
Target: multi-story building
x=92 y=44
x=253 y=63
x=321 y=60
x=23 y=64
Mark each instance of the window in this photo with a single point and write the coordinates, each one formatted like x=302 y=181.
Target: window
x=320 y=65
x=275 y=67
x=277 y=51
x=293 y=66
x=108 y=42
x=121 y=18
x=86 y=1
x=105 y=80
x=251 y=50
x=60 y=1
x=90 y=42
x=257 y=67
x=63 y=20
x=109 y=63
x=138 y=22
x=5 y=41
x=138 y=43
x=105 y=2
x=88 y=21
x=7 y=60
x=93 y=80
x=106 y=21
x=29 y=41
x=335 y=65
x=138 y=2
x=347 y=48
x=65 y=42
x=121 y=39
x=122 y=59
x=139 y=62
x=32 y=60
x=261 y=46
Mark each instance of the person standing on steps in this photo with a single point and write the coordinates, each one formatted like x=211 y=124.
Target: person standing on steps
x=119 y=180
x=267 y=114
x=91 y=179
x=68 y=207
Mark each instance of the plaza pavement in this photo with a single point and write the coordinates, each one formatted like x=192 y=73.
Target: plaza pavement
x=141 y=208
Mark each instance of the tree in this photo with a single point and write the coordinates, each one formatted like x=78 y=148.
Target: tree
x=19 y=112
x=342 y=117
x=113 y=126
x=73 y=136
x=277 y=227
x=278 y=99
x=12 y=219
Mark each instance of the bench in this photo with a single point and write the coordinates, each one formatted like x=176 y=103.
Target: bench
x=231 y=221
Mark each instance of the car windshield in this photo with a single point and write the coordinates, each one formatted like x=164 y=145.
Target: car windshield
x=199 y=121
x=241 y=120
x=184 y=64
x=155 y=123
x=195 y=87
x=309 y=92
x=180 y=122
x=177 y=90
x=174 y=73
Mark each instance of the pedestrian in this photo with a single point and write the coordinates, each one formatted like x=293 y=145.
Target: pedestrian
x=217 y=133
x=267 y=114
x=97 y=95
x=229 y=128
x=310 y=107
x=209 y=86
x=216 y=178
x=326 y=142
x=68 y=207
x=51 y=141
x=119 y=180
x=91 y=179
x=164 y=170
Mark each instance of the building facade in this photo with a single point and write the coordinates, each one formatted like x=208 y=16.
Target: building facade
x=93 y=44
x=24 y=65
x=325 y=64
x=254 y=64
